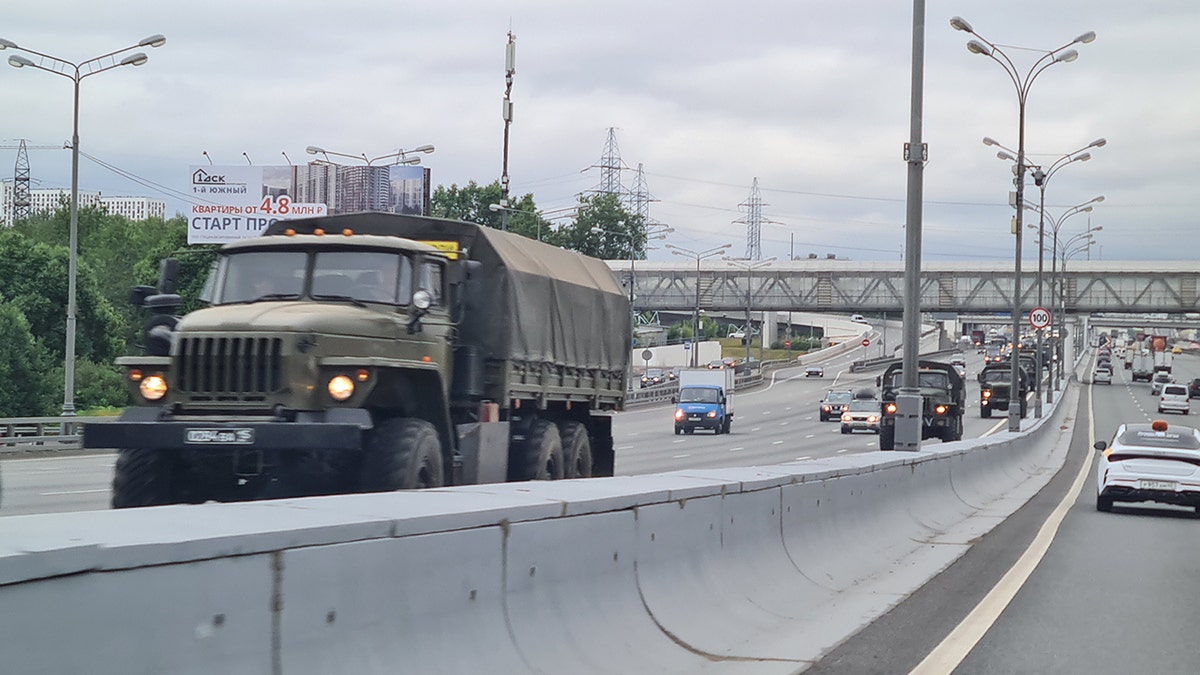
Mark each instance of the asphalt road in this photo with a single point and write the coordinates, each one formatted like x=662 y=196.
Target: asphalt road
x=1114 y=593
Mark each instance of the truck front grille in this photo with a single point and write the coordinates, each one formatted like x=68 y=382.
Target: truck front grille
x=230 y=366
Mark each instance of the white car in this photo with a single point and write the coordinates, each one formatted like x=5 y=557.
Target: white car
x=1156 y=383
x=1174 y=398
x=1102 y=375
x=1153 y=462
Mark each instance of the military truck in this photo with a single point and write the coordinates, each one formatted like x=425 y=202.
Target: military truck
x=943 y=394
x=373 y=352
x=995 y=387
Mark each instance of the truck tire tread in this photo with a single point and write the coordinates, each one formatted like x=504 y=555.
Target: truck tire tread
x=539 y=456
x=576 y=448
x=142 y=478
x=402 y=453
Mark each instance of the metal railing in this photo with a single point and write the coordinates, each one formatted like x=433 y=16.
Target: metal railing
x=32 y=434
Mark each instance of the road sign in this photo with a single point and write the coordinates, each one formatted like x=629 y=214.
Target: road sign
x=787 y=344
x=1039 y=317
x=866 y=342
x=647 y=354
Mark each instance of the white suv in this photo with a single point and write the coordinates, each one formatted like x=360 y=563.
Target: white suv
x=1174 y=398
x=1102 y=374
x=1160 y=379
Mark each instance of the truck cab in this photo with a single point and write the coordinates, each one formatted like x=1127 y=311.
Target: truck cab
x=705 y=401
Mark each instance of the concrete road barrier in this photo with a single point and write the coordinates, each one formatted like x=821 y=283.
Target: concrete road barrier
x=758 y=570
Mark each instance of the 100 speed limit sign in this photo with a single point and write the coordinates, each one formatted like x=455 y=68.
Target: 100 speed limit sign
x=1039 y=317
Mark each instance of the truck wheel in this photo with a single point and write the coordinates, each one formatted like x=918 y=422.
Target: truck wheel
x=887 y=438
x=540 y=456
x=958 y=429
x=678 y=430
x=985 y=411
x=728 y=424
x=577 y=450
x=142 y=478
x=402 y=453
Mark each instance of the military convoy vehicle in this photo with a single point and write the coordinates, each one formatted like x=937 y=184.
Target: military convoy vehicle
x=372 y=352
x=995 y=387
x=943 y=394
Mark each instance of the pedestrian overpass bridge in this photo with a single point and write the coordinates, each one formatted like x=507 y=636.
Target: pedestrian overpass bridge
x=873 y=287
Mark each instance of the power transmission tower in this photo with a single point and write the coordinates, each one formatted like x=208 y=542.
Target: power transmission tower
x=753 y=221
x=22 y=202
x=610 y=168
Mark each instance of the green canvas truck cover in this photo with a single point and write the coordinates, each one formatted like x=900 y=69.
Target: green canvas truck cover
x=531 y=301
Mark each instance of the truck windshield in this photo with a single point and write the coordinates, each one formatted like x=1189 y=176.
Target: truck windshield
x=698 y=395
x=371 y=276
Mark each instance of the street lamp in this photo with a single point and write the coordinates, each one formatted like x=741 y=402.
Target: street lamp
x=651 y=235
x=398 y=157
x=749 y=267
x=1056 y=225
x=1072 y=246
x=1022 y=82
x=698 y=255
x=1041 y=176
x=76 y=72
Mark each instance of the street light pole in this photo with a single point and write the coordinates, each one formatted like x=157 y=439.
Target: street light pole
x=1023 y=83
x=76 y=72
x=698 y=255
x=399 y=156
x=750 y=267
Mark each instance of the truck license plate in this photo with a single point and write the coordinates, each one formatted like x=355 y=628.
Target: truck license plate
x=219 y=436
x=1157 y=485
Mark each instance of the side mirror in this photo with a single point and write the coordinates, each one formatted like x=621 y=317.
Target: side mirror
x=878 y=380
x=1100 y=445
x=168 y=276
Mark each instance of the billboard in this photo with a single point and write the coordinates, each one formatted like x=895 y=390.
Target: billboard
x=236 y=202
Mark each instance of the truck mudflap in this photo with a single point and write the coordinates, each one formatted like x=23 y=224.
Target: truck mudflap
x=335 y=430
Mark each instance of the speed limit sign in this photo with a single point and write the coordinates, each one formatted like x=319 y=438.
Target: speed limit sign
x=1039 y=317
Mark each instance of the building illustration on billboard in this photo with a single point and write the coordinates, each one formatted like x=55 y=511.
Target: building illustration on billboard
x=234 y=202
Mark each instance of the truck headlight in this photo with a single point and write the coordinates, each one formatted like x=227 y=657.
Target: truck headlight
x=712 y=414
x=153 y=387
x=890 y=408
x=987 y=393
x=340 y=387
x=678 y=414
x=941 y=410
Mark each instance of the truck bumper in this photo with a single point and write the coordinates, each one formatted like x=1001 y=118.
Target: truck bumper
x=334 y=430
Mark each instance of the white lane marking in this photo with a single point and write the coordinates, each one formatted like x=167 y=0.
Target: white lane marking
x=766 y=412
x=843 y=450
x=777 y=443
x=801 y=459
x=947 y=656
x=784 y=424
x=736 y=449
x=681 y=456
x=810 y=436
x=755 y=428
x=625 y=447
x=70 y=492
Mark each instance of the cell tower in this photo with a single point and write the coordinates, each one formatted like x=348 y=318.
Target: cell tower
x=22 y=202
x=753 y=221
x=610 y=167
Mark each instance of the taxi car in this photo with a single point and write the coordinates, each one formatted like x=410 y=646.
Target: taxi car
x=1153 y=462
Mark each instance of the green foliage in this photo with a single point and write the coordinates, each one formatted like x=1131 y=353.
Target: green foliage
x=603 y=228
x=472 y=203
x=97 y=385
x=25 y=390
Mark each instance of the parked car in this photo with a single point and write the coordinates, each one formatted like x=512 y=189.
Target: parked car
x=1153 y=462
x=834 y=403
x=814 y=371
x=1174 y=398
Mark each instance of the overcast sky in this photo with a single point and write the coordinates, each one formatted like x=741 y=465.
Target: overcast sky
x=811 y=98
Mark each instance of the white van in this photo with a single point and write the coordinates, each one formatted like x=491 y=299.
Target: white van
x=1174 y=398
x=857 y=318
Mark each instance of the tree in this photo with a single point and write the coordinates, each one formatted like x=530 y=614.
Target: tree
x=472 y=203
x=604 y=228
x=33 y=278
x=24 y=389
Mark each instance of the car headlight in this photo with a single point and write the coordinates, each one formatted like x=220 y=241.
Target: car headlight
x=340 y=387
x=846 y=418
x=872 y=419
x=153 y=387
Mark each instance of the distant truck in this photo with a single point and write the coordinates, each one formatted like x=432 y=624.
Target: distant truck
x=705 y=401
x=1160 y=353
x=944 y=399
x=372 y=352
x=1143 y=366
x=995 y=387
